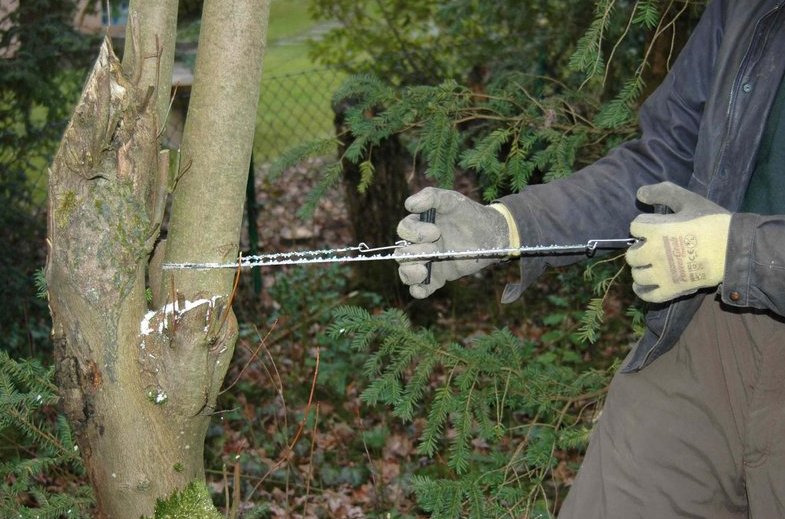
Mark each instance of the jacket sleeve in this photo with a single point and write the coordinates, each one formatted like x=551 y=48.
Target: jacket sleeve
x=599 y=200
x=755 y=264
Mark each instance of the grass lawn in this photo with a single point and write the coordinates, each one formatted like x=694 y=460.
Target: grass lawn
x=295 y=101
x=288 y=19
x=287 y=31
x=296 y=92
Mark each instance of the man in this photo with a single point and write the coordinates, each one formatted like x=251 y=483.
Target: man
x=694 y=422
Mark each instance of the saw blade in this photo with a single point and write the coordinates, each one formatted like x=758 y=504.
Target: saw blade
x=363 y=252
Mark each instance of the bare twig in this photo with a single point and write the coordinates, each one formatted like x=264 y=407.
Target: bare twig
x=226 y=490
x=254 y=356
x=361 y=425
x=235 y=491
x=284 y=457
x=228 y=307
x=310 y=459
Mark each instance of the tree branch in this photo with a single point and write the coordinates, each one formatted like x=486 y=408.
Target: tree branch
x=148 y=56
x=217 y=140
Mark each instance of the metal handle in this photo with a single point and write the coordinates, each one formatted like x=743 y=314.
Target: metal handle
x=430 y=217
x=613 y=243
x=662 y=209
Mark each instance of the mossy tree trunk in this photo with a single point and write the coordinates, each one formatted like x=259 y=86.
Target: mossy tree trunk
x=139 y=378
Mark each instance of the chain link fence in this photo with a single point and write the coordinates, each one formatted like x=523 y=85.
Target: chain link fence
x=294 y=108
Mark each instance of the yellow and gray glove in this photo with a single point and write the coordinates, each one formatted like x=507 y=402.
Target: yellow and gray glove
x=461 y=224
x=681 y=252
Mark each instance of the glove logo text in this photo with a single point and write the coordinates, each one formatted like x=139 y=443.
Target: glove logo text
x=681 y=251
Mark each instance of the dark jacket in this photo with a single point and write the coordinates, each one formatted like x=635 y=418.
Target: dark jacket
x=700 y=129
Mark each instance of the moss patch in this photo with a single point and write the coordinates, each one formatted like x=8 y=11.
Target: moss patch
x=66 y=208
x=192 y=502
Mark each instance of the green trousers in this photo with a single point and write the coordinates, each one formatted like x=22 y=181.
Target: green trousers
x=700 y=433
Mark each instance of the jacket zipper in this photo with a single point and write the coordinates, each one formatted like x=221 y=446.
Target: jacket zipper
x=662 y=336
x=735 y=90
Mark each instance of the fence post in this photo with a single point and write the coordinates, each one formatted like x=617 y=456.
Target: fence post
x=253 y=231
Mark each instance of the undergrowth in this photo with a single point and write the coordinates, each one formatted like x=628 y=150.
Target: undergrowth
x=497 y=414
x=41 y=472
x=335 y=399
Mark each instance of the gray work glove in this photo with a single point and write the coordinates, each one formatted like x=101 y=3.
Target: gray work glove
x=461 y=224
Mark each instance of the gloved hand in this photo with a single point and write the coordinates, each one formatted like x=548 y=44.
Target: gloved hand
x=461 y=224
x=680 y=252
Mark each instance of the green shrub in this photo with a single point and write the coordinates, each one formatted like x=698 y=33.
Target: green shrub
x=494 y=407
x=41 y=471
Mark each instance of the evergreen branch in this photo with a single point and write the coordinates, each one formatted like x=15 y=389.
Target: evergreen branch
x=29 y=373
x=587 y=57
x=332 y=176
x=415 y=388
x=623 y=36
x=440 y=145
x=38 y=434
x=460 y=448
x=437 y=416
x=45 y=448
x=299 y=153
x=485 y=156
x=645 y=13
x=593 y=316
x=367 y=171
x=619 y=110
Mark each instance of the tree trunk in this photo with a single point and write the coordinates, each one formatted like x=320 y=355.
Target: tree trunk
x=217 y=141
x=138 y=384
x=375 y=212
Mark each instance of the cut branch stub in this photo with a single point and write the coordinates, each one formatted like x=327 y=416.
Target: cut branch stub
x=184 y=352
x=103 y=188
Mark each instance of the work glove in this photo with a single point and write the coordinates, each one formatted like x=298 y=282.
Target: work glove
x=460 y=224
x=679 y=252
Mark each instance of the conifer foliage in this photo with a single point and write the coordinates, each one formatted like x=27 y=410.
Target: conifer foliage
x=498 y=412
x=523 y=121
x=36 y=448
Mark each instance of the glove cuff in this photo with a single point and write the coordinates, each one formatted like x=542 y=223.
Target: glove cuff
x=513 y=238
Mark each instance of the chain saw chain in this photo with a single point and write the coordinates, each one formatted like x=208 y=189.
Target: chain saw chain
x=363 y=252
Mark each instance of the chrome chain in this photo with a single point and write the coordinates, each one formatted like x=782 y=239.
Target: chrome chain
x=363 y=252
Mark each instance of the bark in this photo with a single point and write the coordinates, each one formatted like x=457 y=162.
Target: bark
x=217 y=143
x=139 y=384
x=149 y=54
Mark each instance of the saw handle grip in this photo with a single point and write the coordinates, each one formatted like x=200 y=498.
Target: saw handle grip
x=662 y=209
x=656 y=209
x=428 y=216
